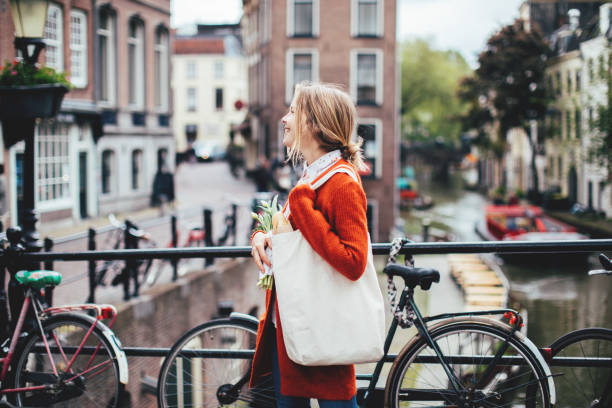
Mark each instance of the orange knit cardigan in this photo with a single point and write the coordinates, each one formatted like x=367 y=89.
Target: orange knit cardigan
x=333 y=221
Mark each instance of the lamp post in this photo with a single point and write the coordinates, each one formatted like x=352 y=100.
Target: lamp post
x=21 y=106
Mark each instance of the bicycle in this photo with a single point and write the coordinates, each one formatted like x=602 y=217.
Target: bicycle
x=455 y=360
x=195 y=237
x=68 y=359
x=137 y=270
x=580 y=383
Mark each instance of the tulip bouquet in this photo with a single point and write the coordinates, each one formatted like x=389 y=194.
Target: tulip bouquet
x=270 y=220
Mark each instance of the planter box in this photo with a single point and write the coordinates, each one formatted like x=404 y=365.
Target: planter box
x=29 y=102
x=21 y=105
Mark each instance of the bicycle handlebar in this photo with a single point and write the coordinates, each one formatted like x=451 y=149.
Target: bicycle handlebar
x=605 y=263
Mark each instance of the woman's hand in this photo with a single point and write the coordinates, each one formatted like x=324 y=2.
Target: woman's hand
x=258 y=250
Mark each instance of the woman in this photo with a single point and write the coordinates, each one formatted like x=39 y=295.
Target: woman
x=318 y=130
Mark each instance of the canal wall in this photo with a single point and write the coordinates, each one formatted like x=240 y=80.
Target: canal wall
x=165 y=312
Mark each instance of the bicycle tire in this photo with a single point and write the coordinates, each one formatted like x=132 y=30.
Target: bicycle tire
x=583 y=386
x=93 y=380
x=501 y=385
x=186 y=381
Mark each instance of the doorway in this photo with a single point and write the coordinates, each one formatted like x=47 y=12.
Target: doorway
x=83 y=184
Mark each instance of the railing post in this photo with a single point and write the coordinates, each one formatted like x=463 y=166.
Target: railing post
x=208 y=234
x=91 y=265
x=129 y=270
x=48 y=246
x=234 y=222
x=14 y=264
x=174 y=233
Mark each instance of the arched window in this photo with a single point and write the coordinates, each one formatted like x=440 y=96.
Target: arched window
x=107 y=171
x=106 y=55
x=136 y=58
x=137 y=170
x=161 y=69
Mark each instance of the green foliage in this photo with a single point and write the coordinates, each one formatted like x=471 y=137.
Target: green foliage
x=508 y=86
x=19 y=73
x=430 y=106
x=600 y=150
x=264 y=217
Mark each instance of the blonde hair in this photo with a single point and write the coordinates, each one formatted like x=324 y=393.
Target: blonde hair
x=330 y=115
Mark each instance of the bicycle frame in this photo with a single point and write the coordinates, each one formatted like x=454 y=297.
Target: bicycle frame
x=420 y=323
x=103 y=312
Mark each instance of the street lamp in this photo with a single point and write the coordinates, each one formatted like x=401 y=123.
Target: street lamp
x=29 y=17
x=22 y=105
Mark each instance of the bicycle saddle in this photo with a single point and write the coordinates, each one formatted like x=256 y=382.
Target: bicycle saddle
x=413 y=277
x=38 y=279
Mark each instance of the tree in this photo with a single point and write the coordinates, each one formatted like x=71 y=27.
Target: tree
x=600 y=150
x=508 y=86
x=431 y=108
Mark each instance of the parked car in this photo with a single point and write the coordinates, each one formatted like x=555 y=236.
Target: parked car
x=208 y=150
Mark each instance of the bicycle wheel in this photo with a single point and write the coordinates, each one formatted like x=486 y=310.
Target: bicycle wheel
x=186 y=379
x=418 y=379
x=584 y=386
x=91 y=381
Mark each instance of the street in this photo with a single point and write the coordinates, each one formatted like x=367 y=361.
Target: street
x=198 y=186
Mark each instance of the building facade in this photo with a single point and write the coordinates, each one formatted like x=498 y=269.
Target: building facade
x=349 y=42
x=596 y=192
x=209 y=85
x=113 y=123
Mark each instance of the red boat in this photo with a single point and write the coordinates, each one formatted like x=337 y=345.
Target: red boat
x=525 y=223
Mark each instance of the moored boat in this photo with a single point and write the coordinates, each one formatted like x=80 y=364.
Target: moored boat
x=526 y=223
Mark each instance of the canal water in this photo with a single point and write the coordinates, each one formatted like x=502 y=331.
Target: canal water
x=557 y=298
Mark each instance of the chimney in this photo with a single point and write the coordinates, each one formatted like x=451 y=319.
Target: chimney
x=574 y=19
x=604 y=18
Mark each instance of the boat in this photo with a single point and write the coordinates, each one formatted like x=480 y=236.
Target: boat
x=526 y=223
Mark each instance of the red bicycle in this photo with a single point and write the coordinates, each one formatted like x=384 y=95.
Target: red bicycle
x=68 y=359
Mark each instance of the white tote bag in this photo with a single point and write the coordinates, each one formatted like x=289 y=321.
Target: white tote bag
x=327 y=319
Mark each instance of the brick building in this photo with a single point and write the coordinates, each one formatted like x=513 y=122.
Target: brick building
x=101 y=152
x=208 y=78
x=346 y=42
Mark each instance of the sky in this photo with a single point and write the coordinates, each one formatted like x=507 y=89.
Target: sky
x=462 y=25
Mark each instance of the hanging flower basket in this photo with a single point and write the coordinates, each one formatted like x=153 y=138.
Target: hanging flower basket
x=31 y=101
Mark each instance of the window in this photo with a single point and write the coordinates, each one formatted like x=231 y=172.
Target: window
x=302 y=18
x=219 y=70
x=107 y=171
x=590 y=70
x=53 y=161
x=219 y=98
x=578 y=79
x=578 y=124
x=161 y=69
x=106 y=54
x=569 y=82
x=551 y=85
x=568 y=125
x=302 y=65
x=559 y=167
x=558 y=82
x=54 y=31
x=602 y=66
x=136 y=63
x=370 y=131
x=78 y=48
x=191 y=100
x=367 y=18
x=191 y=71
x=366 y=77
x=137 y=173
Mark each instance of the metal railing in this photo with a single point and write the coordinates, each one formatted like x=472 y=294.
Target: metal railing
x=14 y=258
